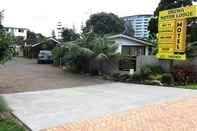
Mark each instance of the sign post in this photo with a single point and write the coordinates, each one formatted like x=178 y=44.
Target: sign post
x=172 y=32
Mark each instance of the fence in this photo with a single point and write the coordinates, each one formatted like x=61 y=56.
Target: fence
x=152 y=60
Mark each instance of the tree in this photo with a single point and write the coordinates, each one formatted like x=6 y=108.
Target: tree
x=191 y=38
x=53 y=34
x=165 y=5
x=170 y=4
x=153 y=28
x=19 y=40
x=104 y=23
x=5 y=52
x=129 y=31
x=90 y=54
x=31 y=38
x=69 y=35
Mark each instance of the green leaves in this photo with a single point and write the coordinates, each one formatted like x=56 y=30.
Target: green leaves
x=170 y=4
x=5 y=52
x=104 y=23
x=3 y=106
x=69 y=35
x=88 y=52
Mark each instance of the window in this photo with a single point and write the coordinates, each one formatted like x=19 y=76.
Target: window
x=138 y=29
x=138 y=26
x=125 y=50
x=138 y=23
x=133 y=51
x=146 y=19
x=20 y=30
x=138 y=32
x=138 y=20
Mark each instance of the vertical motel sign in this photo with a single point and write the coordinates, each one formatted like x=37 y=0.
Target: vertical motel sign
x=172 y=32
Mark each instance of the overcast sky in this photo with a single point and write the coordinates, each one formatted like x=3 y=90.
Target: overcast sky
x=41 y=16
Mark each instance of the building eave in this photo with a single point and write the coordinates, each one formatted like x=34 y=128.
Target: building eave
x=146 y=43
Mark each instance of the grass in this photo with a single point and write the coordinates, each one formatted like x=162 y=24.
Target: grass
x=190 y=86
x=7 y=121
x=10 y=125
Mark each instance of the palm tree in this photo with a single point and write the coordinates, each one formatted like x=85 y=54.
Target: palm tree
x=105 y=52
x=90 y=54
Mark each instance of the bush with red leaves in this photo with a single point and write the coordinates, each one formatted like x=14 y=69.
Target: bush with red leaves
x=184 y=74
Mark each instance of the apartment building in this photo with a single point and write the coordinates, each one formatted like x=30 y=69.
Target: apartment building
x=22 y=32
x=139 y=24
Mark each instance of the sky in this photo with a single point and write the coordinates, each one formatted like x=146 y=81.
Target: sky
x=42 y=16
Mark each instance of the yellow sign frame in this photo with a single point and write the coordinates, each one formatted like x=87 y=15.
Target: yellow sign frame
x=178 y=13
x=172 y=32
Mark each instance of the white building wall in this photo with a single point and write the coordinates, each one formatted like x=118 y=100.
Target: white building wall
x=124 y=42
x=18 y=32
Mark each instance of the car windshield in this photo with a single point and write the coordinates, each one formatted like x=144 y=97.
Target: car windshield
x=45 y=52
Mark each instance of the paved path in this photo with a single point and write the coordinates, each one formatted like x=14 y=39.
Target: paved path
x=22 y=75
x=179 y=115
x=44 y=109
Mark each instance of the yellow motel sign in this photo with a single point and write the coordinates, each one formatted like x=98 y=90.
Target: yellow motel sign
x=172 y=32
x=178 y=13
x=180 y=46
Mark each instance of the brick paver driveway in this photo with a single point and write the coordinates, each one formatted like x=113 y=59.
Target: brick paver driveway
x=21 y=75
x=180 y=115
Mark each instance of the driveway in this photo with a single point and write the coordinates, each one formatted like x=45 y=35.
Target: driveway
x=22 y=75
x=44 y=109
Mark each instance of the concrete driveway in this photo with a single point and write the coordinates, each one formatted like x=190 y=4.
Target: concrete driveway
x=44 y=109
x=23 y=75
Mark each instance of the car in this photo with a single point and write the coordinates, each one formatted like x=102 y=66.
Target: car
x=45 y=56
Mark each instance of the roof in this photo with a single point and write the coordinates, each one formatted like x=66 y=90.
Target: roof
x=137 y=15
x=47 y=40
x=132 y=39
x=17 y=28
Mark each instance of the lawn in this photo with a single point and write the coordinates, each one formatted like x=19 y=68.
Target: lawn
x=10 y=125
x=191 y=86
x=7 y=121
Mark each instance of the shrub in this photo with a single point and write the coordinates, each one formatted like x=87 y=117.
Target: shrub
x=156 y=69
x=136 y=78
x=155 y=77
x=3 y=106
x=184 y=74
x=124 y=77
x=167 y=79
x=150 y=71
x=146 y=70
x=56 y=56
x=116 y=76
x=5 y=52
x=87 y=55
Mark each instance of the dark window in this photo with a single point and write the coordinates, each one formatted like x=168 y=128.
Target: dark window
x=20 y=30
x=125 y=50
x=133 y=51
